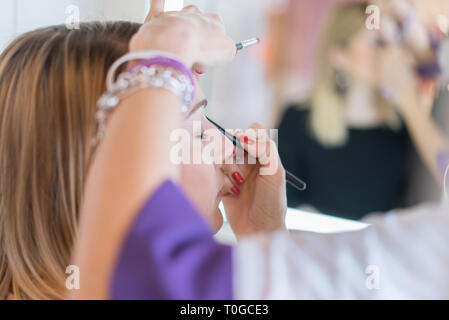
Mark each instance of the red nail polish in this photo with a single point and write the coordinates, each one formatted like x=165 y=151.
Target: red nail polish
x=238 y=178
x=235 y=190
x=247 y=140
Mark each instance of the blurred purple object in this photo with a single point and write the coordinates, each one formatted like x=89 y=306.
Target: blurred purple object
x=443 y=161
x=429 y=70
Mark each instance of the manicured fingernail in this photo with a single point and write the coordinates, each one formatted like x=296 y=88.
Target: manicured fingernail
x=247 y=140
x=235 y=190
x=238 y=178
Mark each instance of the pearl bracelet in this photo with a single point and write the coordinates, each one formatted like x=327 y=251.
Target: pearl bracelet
x=159 y=72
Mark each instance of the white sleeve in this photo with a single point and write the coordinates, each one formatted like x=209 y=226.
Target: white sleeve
x=405 y=255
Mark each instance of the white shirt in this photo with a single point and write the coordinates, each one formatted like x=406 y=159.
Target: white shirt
x=404 y=254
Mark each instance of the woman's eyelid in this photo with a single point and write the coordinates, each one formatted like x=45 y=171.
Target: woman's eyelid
x=201 y=132
x=201 y=126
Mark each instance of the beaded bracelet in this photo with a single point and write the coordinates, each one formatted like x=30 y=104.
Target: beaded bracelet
x=159 y=70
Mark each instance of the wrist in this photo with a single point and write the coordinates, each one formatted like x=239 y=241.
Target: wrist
x=180 y=44
x=153 y=69
x=180 y=56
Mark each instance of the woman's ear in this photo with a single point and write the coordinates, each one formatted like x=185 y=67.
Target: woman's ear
x=338 y=58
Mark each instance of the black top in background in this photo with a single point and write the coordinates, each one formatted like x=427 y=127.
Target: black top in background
x=365 y=175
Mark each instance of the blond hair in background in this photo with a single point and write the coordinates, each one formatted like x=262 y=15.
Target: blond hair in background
x=327 y=117
x=50 y=80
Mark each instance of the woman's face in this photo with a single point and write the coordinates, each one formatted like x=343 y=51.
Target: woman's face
x=361 y=58
x=204 y=183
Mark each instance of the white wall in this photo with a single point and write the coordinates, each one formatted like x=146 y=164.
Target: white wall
x=7 y=21
x=238 y=93
x=237 y=89
x=18 y=16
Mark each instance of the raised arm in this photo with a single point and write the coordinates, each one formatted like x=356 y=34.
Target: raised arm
x=133 y=157
x=403 y=255
x=414 y=104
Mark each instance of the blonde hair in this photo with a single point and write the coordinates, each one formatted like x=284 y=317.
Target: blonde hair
x=327 y=116
x=50 y=80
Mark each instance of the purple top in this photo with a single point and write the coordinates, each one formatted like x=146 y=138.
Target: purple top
x=170 y=253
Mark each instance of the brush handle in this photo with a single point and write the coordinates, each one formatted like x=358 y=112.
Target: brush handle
x=289 y=177
x=295 y=181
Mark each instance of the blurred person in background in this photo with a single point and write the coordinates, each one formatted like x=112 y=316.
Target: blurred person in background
x=349 y=141
x=425 y=26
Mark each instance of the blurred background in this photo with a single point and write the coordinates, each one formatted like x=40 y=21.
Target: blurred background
x=268 y=79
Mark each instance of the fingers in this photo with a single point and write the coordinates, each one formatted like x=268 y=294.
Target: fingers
x=258 y=145
x=233 y=183
x=236 y=180
x=233 y=171
x=256 y=142
x=212 y=45
x=215 y=17
x=199 y=69
x=220 y=50
x=211 y=17
x=193 y=9
x=157 y=7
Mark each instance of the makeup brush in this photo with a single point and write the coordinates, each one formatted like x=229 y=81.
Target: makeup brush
x=289 y=177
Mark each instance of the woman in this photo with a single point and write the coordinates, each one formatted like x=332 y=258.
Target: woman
x=146 y=240
x=50 y=82
x=348 y=139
